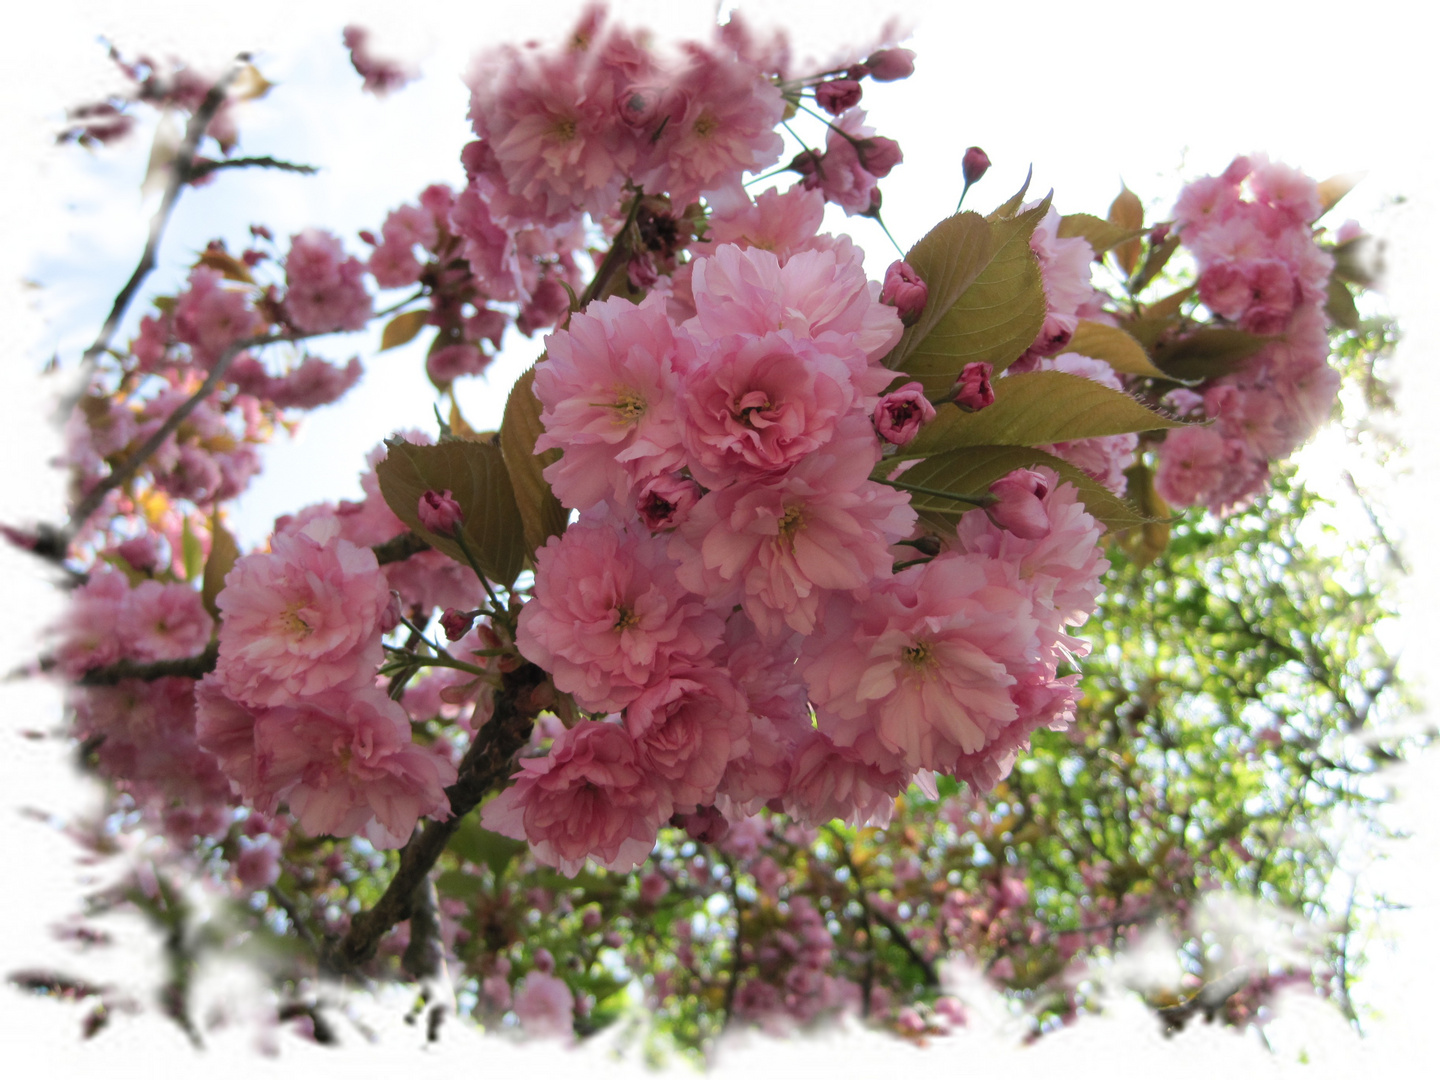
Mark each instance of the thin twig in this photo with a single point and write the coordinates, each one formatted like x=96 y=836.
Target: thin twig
x=180 y=174
x=205 y=168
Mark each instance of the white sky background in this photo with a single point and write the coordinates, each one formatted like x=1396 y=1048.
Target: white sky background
x=1088 y=93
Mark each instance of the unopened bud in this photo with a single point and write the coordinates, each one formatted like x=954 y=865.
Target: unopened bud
x=974 y=164
x=1018 y=507
x=904 y=291
x=973 y=390
x=439 y=512
x=393 y=613
x=1159 y=233
x=887 y=65
x=456 y=623
x=837 y=95
x=901 y=413
x=878 y=155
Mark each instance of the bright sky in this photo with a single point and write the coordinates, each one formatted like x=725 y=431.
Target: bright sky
x=1139 y=92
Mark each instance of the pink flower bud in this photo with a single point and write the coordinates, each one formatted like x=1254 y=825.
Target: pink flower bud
x=390 y=617
x=652 y=887
x=973 y=390
x=904 y=291
x=887 y=65
x=837 y=95
x=706 y=825
x=1019 y=508
x=878 y=155
x=974 y=164
x=900 y=413
x=456 y=623
x=1159 y=234
x=544 y=961
x=590 y=919
x=439 y=512
x=665 y=501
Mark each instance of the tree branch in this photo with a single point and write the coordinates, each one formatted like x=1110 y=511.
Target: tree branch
x=485 y=767
x=191 y=667
x=180 y=174
x=205 y=168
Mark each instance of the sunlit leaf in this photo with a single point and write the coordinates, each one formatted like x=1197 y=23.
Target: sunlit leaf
x=1100 y=234
x=223 y=553
x=1340 y=305
x=1127 y=213
x=1113 y=345
x=540 y=511
x=1035 y=409
x=403 y=328
x=1335 y=188
x=972 y=470
x=986 y=300
x=192 y=555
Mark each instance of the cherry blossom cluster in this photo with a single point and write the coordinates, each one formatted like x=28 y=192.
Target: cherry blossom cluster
x=727 y=607
x=1260 y=271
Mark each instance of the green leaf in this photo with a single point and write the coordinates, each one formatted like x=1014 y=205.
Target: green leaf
x=1127 y=213
x=1113 y=345
x=541 y=513
x=1358 y=261
x=1010 y=205
x=1035 y=409
x=1145 y=542
x=475 y=474
x=1207 y=353
x=223 y=553
x=973 y=469
x=1100 y=234
x=458 y=884
x=1340 y=305
x=986 y=300
x=484 y=848
x=1155 y=260
x=191 y=553
x=403 y=328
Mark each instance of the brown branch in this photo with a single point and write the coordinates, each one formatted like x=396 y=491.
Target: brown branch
x=399 y=548
x=180 y=174
x=191 y=667
x=205 y=168
x=486 y=766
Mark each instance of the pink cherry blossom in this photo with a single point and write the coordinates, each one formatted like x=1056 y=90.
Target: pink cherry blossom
x=610 y=616
x=325 y=291
x=301 y=619
x=588 y=798
x=608 y=389
x=686 y=728
x=544 y=1005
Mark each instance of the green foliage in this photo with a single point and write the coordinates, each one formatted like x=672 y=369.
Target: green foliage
x=475 y=473
x=540 y=511
x=985 y=303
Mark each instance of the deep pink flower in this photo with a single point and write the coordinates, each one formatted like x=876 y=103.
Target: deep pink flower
x=837 y=95
x=324 y=288
x=439 y=512
x=301 y=619
x=973 y=389
x=609 y=616
x=686 y=728
x=974 y=165
x=607 y=389
x=901 y=413
x=666 y=501
x=927 y=665
x=888 y=65
x=904 y=291
x=588 y=798
x=830 y=782
x=1018 y=508
x=777 y=547
x=754 y=406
